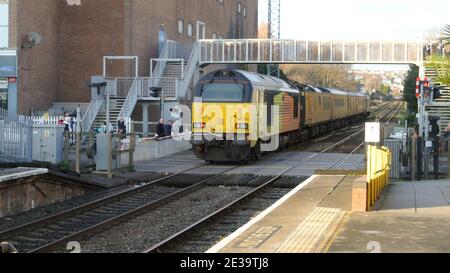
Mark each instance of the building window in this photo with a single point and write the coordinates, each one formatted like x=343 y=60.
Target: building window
x=239 y=8
x=4 y=25
x=245 y=12
x=220 y=37
x=190 y=30
x=214 y=36
x=180 y=26
x=221 y=2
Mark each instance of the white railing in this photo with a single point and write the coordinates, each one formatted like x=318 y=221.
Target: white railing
x=191 y=68
x=119 y=87
x=131 y=100
x=313 y=51
x=168 y=86
x=3 y=113
x=91 y=115
x=42 y=120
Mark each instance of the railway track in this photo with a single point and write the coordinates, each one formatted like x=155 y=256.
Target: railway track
x=46 y=234
x=384 y=114
x=203 y=234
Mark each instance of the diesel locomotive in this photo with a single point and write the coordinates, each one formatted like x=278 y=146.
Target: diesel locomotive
x=237 y=114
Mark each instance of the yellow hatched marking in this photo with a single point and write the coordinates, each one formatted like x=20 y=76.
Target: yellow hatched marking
x=313 y=233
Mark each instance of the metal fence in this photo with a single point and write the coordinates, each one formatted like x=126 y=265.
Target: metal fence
x=16 y=139
x=396 y=148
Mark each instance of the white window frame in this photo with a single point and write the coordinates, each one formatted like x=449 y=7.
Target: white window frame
x=190 y=30
x=2 y=26
x=201 y=30
x=180 y=26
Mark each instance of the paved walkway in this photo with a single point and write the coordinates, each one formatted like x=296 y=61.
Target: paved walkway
x=412 y=217
x=295 y=224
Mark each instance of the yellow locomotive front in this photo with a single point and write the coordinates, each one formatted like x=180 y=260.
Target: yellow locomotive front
x=223 y=118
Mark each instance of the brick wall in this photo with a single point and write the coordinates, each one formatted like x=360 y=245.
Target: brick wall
x=39 y=66
x=75 y=38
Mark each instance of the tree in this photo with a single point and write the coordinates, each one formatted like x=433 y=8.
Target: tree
x=328 y=75
x=409 y=92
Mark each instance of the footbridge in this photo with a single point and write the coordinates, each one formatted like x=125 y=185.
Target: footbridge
x=179 y=67
x=309 y=52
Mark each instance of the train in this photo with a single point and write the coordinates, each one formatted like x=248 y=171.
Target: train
x=238 y=115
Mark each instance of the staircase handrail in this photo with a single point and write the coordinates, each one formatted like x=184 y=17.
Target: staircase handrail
x=131 y=100
x=190 y=69
x=167 y=53
x=91 y=114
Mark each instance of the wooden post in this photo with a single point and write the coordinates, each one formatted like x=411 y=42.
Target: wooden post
x=78 y=156
x=110 y=174
x=66 y=146
x=91 y=139
x=131 y=151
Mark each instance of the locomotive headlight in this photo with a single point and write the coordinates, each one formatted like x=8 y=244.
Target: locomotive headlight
x=242 y=126
x=199 y=125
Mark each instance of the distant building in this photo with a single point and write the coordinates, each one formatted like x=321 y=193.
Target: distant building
x=76 y=34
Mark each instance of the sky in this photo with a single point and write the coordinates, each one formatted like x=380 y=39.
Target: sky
x=360 y=19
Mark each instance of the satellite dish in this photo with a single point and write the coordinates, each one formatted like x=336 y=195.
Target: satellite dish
x=31 y=39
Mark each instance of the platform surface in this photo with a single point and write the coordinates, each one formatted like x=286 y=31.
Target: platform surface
x=298 y=223
x=411 y=217
x=18 y=173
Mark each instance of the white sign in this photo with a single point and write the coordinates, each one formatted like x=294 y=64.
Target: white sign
x=373 y=132
x=3 y=83
x=429 y=144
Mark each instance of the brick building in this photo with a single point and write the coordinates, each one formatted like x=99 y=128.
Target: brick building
x=76 y=34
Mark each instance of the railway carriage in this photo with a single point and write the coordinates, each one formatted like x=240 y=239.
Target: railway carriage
x=233 y=114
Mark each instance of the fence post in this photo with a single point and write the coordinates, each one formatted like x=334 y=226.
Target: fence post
x=66 y=146
x=78 y=156
x=110 y=175
x=131 y=151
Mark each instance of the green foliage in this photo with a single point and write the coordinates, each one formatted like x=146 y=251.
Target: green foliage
x=410 y=88
x=64 y=166
x=386 y=89
x=442 y=66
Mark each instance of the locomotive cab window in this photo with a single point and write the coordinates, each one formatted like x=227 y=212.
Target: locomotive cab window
x=226 y=92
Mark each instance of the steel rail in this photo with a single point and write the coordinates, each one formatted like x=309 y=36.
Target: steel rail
x=211 y=217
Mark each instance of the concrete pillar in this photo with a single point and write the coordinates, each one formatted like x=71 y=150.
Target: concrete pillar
x=145 y=106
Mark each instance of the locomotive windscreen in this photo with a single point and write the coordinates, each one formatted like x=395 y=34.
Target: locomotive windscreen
x=223 y=92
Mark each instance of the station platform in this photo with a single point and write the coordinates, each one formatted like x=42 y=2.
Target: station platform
x=316 y=217
x=303 y=221
x=412 y=217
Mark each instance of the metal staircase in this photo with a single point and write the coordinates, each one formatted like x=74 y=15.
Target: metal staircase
x=441 y=106
x=116 y=105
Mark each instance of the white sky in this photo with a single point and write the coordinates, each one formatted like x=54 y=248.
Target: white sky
x=359 y=19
